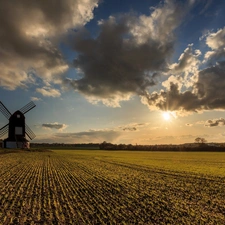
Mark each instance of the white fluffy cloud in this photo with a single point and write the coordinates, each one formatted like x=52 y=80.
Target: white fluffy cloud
x=36 y=99
x=216 y=41
x=158 y=27
x=188 y=61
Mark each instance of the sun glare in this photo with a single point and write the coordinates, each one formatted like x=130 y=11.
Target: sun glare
x=166 y=116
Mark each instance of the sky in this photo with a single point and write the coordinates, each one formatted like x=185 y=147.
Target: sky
x=130 y=72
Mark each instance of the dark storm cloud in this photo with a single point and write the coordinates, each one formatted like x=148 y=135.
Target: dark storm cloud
x=128 y=53
x=29 y=30
x=206 y=90
x=173 y=99
x=207 y=93
x=211 y=86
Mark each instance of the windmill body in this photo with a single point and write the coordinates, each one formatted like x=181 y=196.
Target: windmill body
x=16 y=132
x=17 y=129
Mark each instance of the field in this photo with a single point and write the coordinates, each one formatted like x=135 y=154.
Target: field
x=105 y=187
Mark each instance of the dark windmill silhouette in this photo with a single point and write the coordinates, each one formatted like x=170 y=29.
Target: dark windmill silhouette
x=17 y=129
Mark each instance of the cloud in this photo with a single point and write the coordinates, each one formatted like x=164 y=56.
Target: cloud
x=131 y=52
x=208 y=93
x=205 y=90
x=13 y=79
x=130 y=129
x=207 y=5
x=55 y=125
x=116 y=134
x=215 y=41
x=172 y=100
x=132 y=126
x=210 y=87
x=188 y=61
x=30 y=32
x=200 y=122
x=112 y=101
x=181 y=92
x=127 y=56
x=36 y=99
x=96 y=136
x=49 y=92
x=215 y=122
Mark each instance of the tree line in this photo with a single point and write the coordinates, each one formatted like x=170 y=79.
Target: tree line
x=197 y=146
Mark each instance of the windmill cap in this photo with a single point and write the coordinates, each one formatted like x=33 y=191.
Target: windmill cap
x=21 y=115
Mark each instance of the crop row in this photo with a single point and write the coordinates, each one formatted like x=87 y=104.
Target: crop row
x=56 y=188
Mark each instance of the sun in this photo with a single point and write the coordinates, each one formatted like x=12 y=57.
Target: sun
x=166 y=116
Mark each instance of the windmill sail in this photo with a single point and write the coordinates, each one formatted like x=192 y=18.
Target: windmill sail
x=4 y=110
x=29 y=132
x=4 y=130
x=27 y=107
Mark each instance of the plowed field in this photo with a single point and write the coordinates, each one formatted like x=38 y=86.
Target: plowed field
x=100 y=187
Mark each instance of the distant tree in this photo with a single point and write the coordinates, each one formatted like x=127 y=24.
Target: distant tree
x=200 y=140
x=106 y=145
x=203 y=141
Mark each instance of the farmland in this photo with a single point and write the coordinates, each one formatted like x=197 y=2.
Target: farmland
x=112 y=187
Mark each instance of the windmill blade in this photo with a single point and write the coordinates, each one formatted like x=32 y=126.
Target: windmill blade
x=4 y=130
x=29 y=132
x=27 y=107
x=4 y=110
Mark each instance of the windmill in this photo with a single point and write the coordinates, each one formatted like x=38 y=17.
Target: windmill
x=17 y=129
